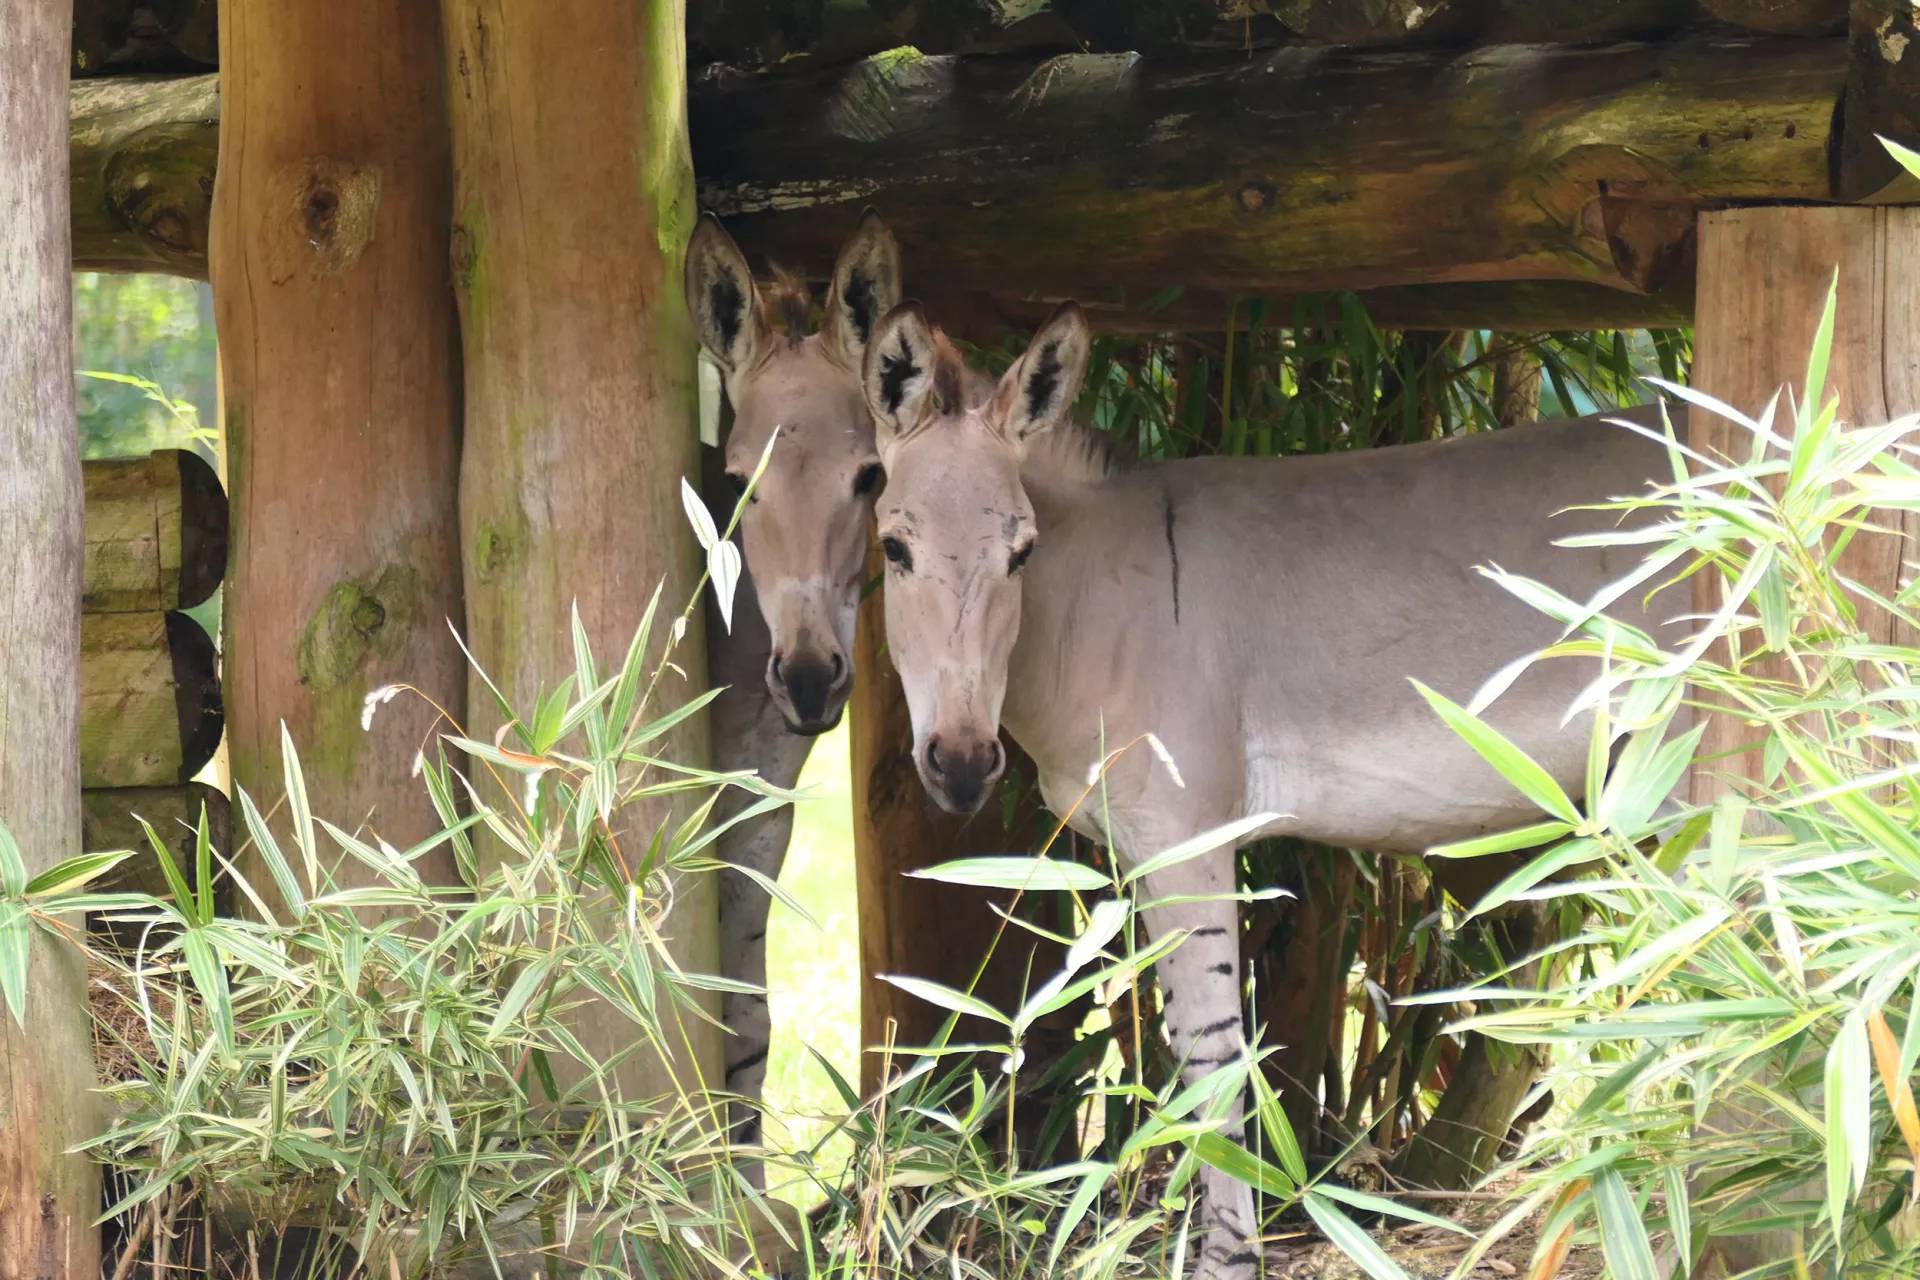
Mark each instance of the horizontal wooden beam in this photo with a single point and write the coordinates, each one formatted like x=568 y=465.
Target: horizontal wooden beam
x=156 y=533
x=1519 y=187
x=142 y=151
x=150 y=708
x=1297 y=171
x=110 y=820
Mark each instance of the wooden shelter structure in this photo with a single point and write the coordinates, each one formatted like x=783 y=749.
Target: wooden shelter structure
x=444 y=239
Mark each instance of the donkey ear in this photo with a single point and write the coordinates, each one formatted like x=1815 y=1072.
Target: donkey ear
x=722 y=297
x=899 y=372
x=1036 y=394
x=866 y=285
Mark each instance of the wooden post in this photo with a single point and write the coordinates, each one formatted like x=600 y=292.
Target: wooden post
x=573 y=203
x=48 y=1197
x=329 y=265
x=1764 y=275
x=919 y=927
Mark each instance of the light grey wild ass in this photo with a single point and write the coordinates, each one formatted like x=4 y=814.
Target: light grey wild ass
x=787 y=663
x=1261 y=616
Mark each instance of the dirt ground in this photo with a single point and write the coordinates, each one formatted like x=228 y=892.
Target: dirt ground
x=1428 y=1253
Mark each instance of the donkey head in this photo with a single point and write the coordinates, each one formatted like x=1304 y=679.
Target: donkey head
x=956 y=525
x=805 y=529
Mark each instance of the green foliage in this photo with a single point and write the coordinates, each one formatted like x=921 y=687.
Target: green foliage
x=133 y=333
x=1736 y=1026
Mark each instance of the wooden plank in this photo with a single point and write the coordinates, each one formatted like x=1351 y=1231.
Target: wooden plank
x=49 y=1194
x=156 y=533
x=142 y=152
x=1764 y=275
x=340 y=382
x=150 y=706
x=110 y=820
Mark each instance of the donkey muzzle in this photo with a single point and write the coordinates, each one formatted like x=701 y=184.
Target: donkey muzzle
x=812 y=688
x=960 y=771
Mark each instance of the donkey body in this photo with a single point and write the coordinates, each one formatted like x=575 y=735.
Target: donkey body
x=787 y=662
x=1260 y=616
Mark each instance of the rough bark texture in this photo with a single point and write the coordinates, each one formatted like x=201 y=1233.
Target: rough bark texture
x=573 y=203
x=150 y=708
x=156 y=533
x=1764 y=276
x=921 y=928
x=142 y=153
x=48 y=1198
x=1883 y=98
x=341 y=394
x=1298 y=170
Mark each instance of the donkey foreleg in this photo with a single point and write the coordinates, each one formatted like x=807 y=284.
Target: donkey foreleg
x=1200 y=985
x=748 y=732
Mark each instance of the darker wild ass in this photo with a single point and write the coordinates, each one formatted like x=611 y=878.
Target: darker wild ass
x=787 y=663
x=1260 y=616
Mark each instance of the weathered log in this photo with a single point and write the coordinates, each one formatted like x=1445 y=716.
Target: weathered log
x=1782 y=17
x=340 y=393
x=1883 y=100
x=156 y=532
x=1570 y=21
x=1301 y=170
x=574 y=198
x=150 y=706
x=49 y=1190
x=142 y=152
x=110 y=820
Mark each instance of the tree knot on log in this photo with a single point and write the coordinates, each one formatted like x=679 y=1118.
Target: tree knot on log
x=326 y=219
x=352 y=622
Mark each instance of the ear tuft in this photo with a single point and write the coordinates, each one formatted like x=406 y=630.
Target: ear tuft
x=866 y=285
x=723 y=299
x=899 y=373
x=1038 y=392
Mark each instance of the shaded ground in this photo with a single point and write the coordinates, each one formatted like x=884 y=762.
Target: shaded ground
x=1428 y=1253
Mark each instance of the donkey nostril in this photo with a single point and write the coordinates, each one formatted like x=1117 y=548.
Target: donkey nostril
x=839 y=665
x=993 y=756
x=777 y=673
x=933 y=757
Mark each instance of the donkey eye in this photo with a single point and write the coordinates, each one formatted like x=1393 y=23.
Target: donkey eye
x=868 y=480
x=1020 y=557
x=897 y=553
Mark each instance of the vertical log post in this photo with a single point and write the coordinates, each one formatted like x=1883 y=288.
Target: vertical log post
x=573 y=202
x=922 y=928
x=1764 y=275
x=48 y=1198
x=336 y=315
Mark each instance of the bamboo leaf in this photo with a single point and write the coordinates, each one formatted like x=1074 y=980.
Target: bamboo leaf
x=1240 y=1164
x=946 y=997
x=1886 y=1057
x=1350 y=1239
x=1034 y=874
x=1226 y=835
x=16 y=952
x=74 y=873
x=13 y=868
x=1623 y=1236
x=1533 y=782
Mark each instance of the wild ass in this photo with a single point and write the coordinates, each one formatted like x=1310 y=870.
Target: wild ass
x=787 y=663
x=1261 y=616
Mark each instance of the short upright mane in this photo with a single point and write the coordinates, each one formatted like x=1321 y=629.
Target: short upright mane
x=1074 y=450
x=787 y=302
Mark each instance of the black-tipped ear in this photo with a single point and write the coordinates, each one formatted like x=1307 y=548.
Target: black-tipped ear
x=899 y=372
x=722 y=298
x=1038 y=392
x=866 y=285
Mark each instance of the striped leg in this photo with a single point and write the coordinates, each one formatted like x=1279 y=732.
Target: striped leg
x=1200 y=983
x=748 y=733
